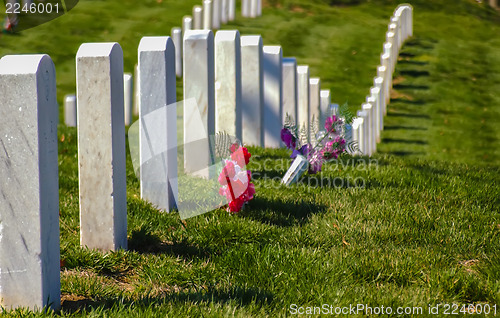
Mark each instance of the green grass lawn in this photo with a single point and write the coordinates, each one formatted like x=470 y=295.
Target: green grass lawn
x=417 y=224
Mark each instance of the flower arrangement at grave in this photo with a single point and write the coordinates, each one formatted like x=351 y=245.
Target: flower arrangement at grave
x=235 y=180
x=322 y=146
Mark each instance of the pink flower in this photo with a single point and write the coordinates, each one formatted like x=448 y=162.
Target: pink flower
x=227 y=172
x=330 y=123
x=241 y=156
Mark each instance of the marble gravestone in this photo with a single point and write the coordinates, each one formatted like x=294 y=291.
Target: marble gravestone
x=199 y=84
x=176 y=35
x=224 y=11
x=207 y=14
x=369 y=123
x=231 y=15
x=273 y=95
x=216 y=12
x=379 y=83
x=374 y=98
x=228 y=83
x=187 y=24
x=364 y=143
x=325 y=101
x=303 y=97
x=289 y=88
x=70 y=110
x=252 y=90
x=254 y=8
x=101 y=146
x=357 y=135
x=127 y=98
x=29 y=208
x=245 y=8
x=158 y=122
x=197 y=17
x=314 y=102
x=136 y=90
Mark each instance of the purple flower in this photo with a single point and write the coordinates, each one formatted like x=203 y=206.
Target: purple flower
x=330 y=123
x=288 y=138
x=304 y=151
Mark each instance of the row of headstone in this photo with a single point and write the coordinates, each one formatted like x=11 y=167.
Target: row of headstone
x=367 y=126
x=208 y=16
x=247 y=98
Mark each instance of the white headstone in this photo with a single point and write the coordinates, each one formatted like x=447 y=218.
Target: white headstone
x=303 y=96
x=379 y=82
x=197 y=18
x=127 y=98
x=357 y=134
x=70 y=110
x=369 y=120
x=216 y=12
x=245 y=8
x=364 y=142
x=314 y=100
x=381 y=77
x=252 y=90
x=289 y=88
x=259 y=8
x=177 y=39
x=158 y=122
x=199 y=83
x=374 y=100
x=273 y=95
x=254 y=8
x=228 y=83
x=224 y=11
x=101 y=146
x=207 y=14
x=136 y=90
x=231 y=10
x=324 y=106
x=29 y=208
x=385 y=62
x=187 y=24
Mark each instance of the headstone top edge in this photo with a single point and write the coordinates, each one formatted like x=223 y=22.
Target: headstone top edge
x=226 y=35
x=303 y=69
x=23 y=63
x=155 y=43
x=314 y=80
x=289 y=60
x=97 y=49
x=324 y=93
x=272 y=49
x=250 y=40
x=198 y=34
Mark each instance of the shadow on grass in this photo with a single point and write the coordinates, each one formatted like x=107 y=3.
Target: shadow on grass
x=411 y=86
x=392 y=114
x=399 y=127
x=412 y=62
x=414 y=73
x=408 y=101
x=143 y=242
x=405 y=153
x=281 y=213
x=404 y=141
x=242 y=296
